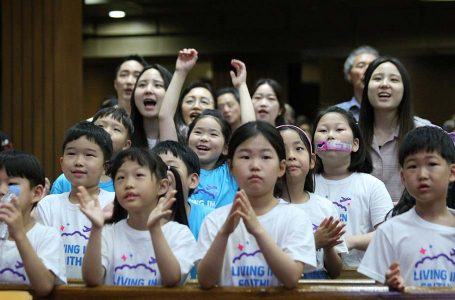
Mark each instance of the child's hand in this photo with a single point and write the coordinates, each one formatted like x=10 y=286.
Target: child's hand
x=329 y=233
x=239 y=76
x=11 y=214
x=232 y=219
x=186 y=60
x=162 y=210
x=91 y=207
x=248 y=215
x=393 y=278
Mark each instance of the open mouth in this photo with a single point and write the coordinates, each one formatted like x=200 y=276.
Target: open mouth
x=384 y=95
x=194 y=114
x=149 y=103
x=128 y=91
x=262 y=111
x=202 y=148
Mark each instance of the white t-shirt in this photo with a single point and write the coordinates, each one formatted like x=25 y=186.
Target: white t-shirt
x=129 y=258
x=317 y=209
x=424 y=250
x=57 y=211
x=47 y=244
x=244 y=264
x=362 y=201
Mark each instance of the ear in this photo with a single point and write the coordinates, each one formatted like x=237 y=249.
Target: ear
x=349 y=76
x=163 y=186
x=452 y=173
x=38 y=193
x=355 y=145
x=312 y=161
x=171 y=177
x=127 y=144
x=282 y=168
x=193 y=180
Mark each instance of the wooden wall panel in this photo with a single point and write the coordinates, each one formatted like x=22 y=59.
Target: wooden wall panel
x=41 y=75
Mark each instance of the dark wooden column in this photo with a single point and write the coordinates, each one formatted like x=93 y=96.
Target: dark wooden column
x=41 y=75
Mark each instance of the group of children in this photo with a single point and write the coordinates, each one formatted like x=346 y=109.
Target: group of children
x=264 y=206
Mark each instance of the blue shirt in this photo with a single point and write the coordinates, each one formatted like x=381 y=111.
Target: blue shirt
x=197 y=215
x=62 y=185
x=216 y=188
x=352 y=105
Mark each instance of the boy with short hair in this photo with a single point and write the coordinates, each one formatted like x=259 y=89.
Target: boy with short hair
x=32 y=253
x=120 y=128
x=186 y=162
x=86 y=149
x=417 y=248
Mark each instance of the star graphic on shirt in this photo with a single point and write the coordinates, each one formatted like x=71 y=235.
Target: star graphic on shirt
x=423 y=251
x=62 y=228
x=124 y=257
x=240 y=247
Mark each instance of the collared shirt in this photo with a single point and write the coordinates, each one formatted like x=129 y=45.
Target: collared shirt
x=352 y=105
x=385 y=161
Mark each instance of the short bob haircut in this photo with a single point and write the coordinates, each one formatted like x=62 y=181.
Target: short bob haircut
x=360 y=160
x=157 y=168
x=93 y=133
x=276 y=87
x=405 y=111
x=270 y=133
x=139 y=138
x=118 y=114
x=24 y=165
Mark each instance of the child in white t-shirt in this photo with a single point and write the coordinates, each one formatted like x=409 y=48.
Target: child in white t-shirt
x=342 y=165
x=417 y=248
x=30 y=253
x=86 y=149
x=255 y=241
x=298 y=190
x=141 y=247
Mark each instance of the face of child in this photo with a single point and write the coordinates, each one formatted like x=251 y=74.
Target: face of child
x=196 y=101
x=333 y=126
x=118 y=133
x=298 y=159
x=189 y=181
x=266 y=105
x=136 y=188
x=26 y=197
x=125 y=81
x=426 y=176
x=385 y=89
x=149 y=93
x=256 y=166
x=207 y=140
x=229 y=107
x=83 y=162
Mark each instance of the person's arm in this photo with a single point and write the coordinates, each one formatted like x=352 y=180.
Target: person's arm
x=210 y=267
x=167 y=262
x=238 y=77
x=327 y=236
x=185 y=62
x=359 y=242
x=287 y=270
x=93 y=271
x=42 y=280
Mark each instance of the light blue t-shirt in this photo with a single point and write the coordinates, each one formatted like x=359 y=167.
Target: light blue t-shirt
x=197 y=215
x=216 y=187
x=62 y=185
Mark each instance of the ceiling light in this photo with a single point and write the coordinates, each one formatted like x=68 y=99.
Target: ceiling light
x=117 y=14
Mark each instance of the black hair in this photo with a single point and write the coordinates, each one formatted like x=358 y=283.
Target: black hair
x=226 y=130
x=270 y=133
x=427 y=139
x=227 y=90
x=157 y=168
x=183 y=152
x=277 y=89
x=178 y=208
x=178 y=117
x=361 y=159
x=139 y=138
x=309 y=179
x=405 y=111
x=24 y=165
x=118 y=114
x=93 y=133
x=134 y=57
